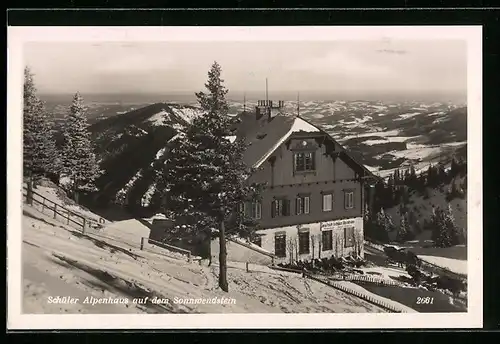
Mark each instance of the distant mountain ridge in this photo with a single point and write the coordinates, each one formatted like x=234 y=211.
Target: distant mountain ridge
x=381 y=135
x=128 y=143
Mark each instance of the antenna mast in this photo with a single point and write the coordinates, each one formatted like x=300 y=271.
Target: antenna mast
x=267 y=97
x=298 y=104
x=244 y=102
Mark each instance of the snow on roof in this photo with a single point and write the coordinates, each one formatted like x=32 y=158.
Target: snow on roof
x=298 y=125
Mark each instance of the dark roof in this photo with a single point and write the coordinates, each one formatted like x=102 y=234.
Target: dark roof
x=345 y=152
x=262 y=135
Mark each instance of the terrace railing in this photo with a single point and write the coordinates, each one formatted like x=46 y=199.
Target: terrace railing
x=59 y=212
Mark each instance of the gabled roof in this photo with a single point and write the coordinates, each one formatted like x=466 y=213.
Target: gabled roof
x=264 y=136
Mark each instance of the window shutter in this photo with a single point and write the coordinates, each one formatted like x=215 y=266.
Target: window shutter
x=306 y=205
x=313 y=160
x=259 y=210
x=286 y=207
x=248 y=209
x=273 y=208
x=298 y=206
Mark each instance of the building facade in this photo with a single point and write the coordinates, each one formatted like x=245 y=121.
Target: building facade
x=313 y=203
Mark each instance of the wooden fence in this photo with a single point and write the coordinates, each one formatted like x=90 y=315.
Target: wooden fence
x=59 y=212
x=166 y=247
x=365 y=297
x=329 y=281
x=250 y=247
x=366 y=279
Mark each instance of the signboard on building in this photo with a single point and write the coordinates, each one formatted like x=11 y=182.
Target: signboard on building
x=337 y=224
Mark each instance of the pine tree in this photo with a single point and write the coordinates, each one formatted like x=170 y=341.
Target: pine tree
x=450 y=225
x=40 y=155
x=454 y=167
x=205 y=175
x=442 y=176
x=440 y=229
x=407 y=177
x=79 y=163
x=403 y=229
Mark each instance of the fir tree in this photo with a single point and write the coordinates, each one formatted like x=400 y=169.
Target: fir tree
x=40 y=156
x=440 y=229
x=442 y=176
x=403 y=229
x=205 y=175
x=450 y=225
x=430 y=176
x=78 y=158
x=454 y=167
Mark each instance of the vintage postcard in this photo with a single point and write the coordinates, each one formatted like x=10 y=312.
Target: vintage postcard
x=244 y=177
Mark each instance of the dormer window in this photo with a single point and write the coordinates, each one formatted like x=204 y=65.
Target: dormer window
x=304 y=162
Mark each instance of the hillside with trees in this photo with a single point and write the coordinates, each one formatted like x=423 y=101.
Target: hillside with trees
x=431 y=205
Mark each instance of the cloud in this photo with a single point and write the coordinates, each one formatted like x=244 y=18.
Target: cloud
x=341 y=62
x=133 y=62
x=392 y=51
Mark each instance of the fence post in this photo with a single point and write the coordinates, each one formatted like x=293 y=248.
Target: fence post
x=142 y=243
x=189 y=257
x=29 y=192
x=83 y=226
x=246 y=265
x=55 y=210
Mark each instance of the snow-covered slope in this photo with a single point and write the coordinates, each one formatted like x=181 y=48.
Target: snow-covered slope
x=110 y=264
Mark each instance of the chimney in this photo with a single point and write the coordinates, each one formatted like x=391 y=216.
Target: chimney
x=258 y=113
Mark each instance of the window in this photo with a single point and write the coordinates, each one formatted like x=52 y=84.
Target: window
x=280 y=245
x=257 y=241
x=349 y=199
x=304 y=242
x=252 y=209
x=304 y=161
x=256 y=210
x=302 y=205
x=280 y=207
x=326 y=240
x=328 y=202
x=349 y=237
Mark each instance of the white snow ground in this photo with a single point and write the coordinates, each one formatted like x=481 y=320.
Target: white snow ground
x=59 y=262
x=454 y=265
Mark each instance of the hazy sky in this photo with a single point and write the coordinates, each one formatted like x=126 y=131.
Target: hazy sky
x=412 y=66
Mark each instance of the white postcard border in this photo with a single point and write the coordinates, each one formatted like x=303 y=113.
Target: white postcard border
x=17 y=36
